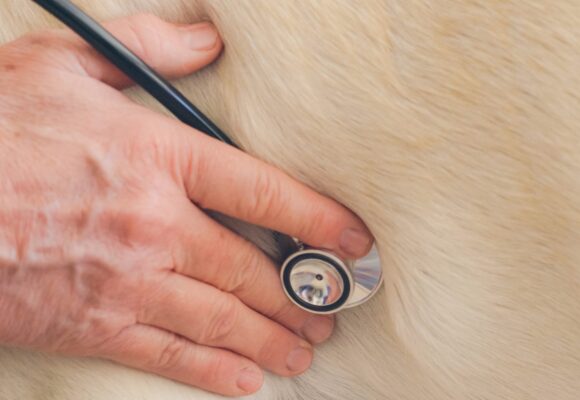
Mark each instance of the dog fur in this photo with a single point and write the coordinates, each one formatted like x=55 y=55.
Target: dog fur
x=453 y=129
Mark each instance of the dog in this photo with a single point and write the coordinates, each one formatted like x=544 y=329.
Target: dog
x=453 y=130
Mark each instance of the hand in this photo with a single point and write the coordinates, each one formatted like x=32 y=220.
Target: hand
x=104 y=250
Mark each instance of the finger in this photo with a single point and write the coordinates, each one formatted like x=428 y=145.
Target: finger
x=224 y=179
x=210 y=317
x=227 y=180
x=166 y=354
x=243 y=270
x=172 y=50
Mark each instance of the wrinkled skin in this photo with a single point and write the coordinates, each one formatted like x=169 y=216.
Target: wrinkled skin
x=103 y=253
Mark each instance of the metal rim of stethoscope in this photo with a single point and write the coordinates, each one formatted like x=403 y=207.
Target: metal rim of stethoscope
x=322 y=283
x=329 y=260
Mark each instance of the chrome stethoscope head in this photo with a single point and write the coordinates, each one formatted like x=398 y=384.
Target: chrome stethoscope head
x=320 y=282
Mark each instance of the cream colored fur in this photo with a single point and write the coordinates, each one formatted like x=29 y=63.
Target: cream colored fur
x=453 y=129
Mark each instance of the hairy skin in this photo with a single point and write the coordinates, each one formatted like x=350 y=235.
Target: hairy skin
x=451 y=128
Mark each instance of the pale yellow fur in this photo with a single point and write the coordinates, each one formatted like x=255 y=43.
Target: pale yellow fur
x=453 y=129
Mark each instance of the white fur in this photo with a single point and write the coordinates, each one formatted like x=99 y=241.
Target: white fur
x=453 y=129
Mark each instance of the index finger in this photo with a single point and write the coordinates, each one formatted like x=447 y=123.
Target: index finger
x=224 y=179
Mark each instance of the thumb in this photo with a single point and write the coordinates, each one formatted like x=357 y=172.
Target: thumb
x=172 y=50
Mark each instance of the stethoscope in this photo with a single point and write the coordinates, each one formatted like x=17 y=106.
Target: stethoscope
x=321 y=282
x=314 y=279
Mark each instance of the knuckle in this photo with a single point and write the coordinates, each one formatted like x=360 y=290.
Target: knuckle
x=283 y=312
x=146 y=42
x=246 y=273
x=198 y=166
x=146 y=18
x=222 y=322
x=131 y=225
x=171 y=355
x=143 y=144
x=214 y=370
x=269 y=350
x=151 y=294
x=265 y=200
x=313 y=225
x=138 y=41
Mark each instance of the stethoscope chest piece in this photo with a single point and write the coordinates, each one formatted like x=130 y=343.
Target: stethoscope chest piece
x=320 y=282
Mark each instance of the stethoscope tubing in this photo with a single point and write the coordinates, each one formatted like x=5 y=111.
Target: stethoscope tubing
x=133 y=66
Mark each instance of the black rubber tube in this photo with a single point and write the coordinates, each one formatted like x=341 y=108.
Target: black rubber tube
x=134 y=67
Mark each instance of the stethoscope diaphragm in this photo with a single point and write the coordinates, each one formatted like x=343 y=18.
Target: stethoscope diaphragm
x=323 y=283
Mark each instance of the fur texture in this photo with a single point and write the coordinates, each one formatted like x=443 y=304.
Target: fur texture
x=453 y=129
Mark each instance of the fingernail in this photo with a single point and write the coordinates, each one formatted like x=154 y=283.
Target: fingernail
x=201 y=37
x=300 y=358
x=355 y=243
x=250 y=379
x=317 y=329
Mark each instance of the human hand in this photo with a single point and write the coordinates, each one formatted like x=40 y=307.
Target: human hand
x=104 y=248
